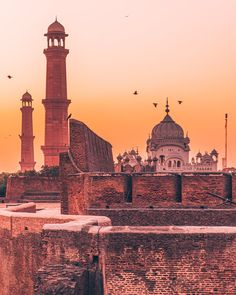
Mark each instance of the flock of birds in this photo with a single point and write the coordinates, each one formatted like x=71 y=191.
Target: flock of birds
x=156 y=103
x=135 y=93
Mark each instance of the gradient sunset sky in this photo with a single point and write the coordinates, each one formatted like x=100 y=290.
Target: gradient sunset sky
x=183 y=49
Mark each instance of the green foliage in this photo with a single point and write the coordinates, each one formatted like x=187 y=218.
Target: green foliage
x=47 y=171
x=3 y=183
x=52 y=171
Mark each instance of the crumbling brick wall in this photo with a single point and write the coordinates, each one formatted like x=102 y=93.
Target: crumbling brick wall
x=165 y=216
x=195 y=188
x=118 y=190
x=87 y=152
x=155 y=190
x=17 y=186
x=145 y=262
x=93 y=190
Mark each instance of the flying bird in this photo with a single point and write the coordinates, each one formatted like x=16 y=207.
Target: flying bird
x=9 y=77
x=155 y=104
x=180 y=101
x=135 y=92
x=69 y=117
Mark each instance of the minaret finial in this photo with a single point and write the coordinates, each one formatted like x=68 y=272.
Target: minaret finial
x=56 y=18
x=167 y=106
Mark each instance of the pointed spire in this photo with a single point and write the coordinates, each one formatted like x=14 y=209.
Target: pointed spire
x=56 y=19
x=167 y=106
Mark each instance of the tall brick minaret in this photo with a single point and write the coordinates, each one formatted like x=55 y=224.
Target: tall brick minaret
x=27 y=139
x=56 y=102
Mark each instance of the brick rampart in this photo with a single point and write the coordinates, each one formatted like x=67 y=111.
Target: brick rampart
x=87 y=152
x=155 y=190
x=168 y=261
x=85 y=254
x=234 y=187
x=195 y=188
x=23 y=251
x=17 y=186
x=119 y=190
x=95 y=190
x=166 y=217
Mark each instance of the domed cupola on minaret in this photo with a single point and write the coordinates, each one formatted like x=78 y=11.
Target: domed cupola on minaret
x=168 y=144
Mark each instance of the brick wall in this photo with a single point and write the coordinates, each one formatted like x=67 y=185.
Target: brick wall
x=164 y=216
x=143 y=260
x=234 y=187
x=128 y=260
x=155 y=190
x=24 y=249
x=147 y=262
x=107 y=190
x=18 y=185
x=20 y=251
x=73 y=189
x=119 y=190
x=93 y=190
x=196 y=186
x=88 y=151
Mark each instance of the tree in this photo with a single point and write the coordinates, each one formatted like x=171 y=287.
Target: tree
x=52 y=171
x=3 y=183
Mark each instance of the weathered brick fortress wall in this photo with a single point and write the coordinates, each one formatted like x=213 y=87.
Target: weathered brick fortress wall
x=142 y=260
x=118 y=190
x=233 y=184
x=23 y=250
x=156 y=190
x=169 y=261
x=166 y=216
x=87 y=256
x=95 y=190
x=88 y=151
x=196 y=186
x=20 y=251
x=18 y=186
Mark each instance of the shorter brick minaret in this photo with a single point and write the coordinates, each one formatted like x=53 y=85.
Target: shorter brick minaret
x=27 y=139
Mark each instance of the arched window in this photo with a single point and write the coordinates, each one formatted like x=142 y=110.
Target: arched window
x=178 y=164
x=162 y=159
x=50 y=42
x=169 y=164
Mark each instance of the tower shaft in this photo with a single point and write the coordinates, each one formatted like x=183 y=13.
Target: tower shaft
x=27 y=138
x=56 y=102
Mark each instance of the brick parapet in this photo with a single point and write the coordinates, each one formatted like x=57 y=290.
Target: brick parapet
x=17 y=186
x=119 y=190
x=167 y=216
x=169 y=260
x=155 y=190
x=195 y=188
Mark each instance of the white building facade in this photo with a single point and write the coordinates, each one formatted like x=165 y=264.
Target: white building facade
x=168 y=150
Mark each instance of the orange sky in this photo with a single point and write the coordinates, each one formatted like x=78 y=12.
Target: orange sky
x=176 y=48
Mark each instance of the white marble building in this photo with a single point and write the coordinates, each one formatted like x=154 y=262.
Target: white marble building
x=167 y=151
